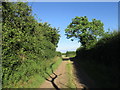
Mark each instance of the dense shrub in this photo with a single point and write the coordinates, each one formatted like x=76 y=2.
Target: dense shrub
x=58 y=54
x=70 y=53
x=104 y=58
x=26 y=44
x=105 y=51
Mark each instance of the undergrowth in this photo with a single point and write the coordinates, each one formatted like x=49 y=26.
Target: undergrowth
x=36 y=80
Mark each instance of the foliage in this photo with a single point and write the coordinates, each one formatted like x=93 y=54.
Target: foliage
x=0 y=45
x=50 y=33
x=70 y=54
x=103 y=59
x=58 y=54
x=36 y=80
x=105 y=49
x=26 y=44
x=63 y=53
x=86 y=32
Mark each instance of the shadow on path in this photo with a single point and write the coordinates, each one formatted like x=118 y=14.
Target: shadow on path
x=52 y=78
x=81 y=75
x=65 y=59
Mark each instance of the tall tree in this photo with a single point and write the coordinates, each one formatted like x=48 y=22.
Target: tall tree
x=85 y=31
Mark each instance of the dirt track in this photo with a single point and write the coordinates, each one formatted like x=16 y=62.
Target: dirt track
x=61 y=80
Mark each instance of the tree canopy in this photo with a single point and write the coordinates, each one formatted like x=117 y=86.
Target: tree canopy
x=85 y=31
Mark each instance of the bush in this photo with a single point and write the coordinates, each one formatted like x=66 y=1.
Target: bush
x=58 y=54
x=103 y=57
x=105 y=50
x=70 y=53
x=25 y=47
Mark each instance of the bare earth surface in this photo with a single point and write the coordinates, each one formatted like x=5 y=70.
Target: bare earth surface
x=61 y=80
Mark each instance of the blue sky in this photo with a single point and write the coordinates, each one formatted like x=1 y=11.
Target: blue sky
x=60 y=14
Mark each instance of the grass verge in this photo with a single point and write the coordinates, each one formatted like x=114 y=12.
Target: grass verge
x=36 y=80
x=70 y=82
